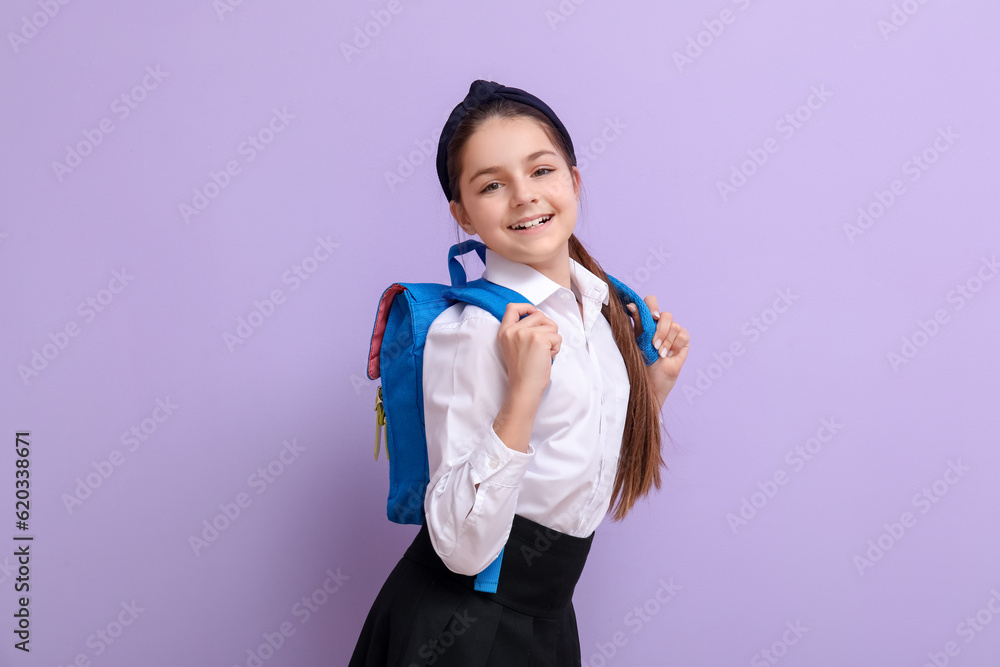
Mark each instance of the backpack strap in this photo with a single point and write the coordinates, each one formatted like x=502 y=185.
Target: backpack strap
x=645 y=339
x=458 y=277
x=494 y=298
x=489 y=296
x=488 y=580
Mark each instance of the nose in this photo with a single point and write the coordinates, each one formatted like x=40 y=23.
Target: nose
x=523 y=191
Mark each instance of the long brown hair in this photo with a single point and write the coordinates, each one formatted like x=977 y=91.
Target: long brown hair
x=640 y=459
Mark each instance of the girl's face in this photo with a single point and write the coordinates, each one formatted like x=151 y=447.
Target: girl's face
x=511 y=173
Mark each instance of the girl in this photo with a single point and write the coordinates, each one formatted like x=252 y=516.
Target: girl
x=536 y=427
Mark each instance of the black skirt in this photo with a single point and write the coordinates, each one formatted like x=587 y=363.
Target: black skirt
x=426 y=614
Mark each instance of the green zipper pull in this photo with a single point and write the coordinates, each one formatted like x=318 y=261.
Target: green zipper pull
x=379 y=422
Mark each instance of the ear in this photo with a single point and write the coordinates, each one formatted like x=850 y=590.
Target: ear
x=575 y=174
x=458 y=212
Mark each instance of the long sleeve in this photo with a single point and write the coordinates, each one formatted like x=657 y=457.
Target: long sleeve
x=464 y=381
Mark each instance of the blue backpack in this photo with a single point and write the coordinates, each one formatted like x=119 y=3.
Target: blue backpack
x=405 y=313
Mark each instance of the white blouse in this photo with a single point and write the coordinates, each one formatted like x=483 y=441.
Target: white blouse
x=564 y=480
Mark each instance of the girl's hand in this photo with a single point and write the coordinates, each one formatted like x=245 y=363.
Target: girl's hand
x=528 y=347
x=672 y=340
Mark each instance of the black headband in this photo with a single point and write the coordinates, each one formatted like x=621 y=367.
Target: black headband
x=481 y=92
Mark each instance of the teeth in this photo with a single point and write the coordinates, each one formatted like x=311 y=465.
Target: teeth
x=533 y=223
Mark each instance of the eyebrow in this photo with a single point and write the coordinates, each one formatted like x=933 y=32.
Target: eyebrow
x=490 y=170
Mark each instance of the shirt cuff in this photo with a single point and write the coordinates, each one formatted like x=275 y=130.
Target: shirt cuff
x=496 y=463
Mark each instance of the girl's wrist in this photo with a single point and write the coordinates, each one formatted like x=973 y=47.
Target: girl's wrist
x=520 y=405
x=522 y=397
x=516 y=419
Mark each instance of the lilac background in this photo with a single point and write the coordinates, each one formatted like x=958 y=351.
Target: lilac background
x=650 y=191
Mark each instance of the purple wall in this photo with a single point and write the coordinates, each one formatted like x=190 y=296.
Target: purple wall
x=811 y=191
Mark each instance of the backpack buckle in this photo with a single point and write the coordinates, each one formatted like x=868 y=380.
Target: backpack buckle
x=379 y=422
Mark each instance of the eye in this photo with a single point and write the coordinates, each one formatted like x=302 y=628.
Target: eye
x=488 y=185
x=545 y=169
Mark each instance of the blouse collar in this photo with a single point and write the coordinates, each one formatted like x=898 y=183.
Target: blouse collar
x=535 y=286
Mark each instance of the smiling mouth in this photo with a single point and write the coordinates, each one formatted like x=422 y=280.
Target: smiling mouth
x=531 y=224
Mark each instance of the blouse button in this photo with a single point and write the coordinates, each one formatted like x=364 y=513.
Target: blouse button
x=568 y=297
x=494 y=462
